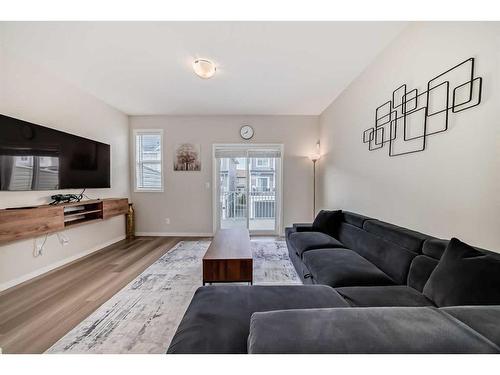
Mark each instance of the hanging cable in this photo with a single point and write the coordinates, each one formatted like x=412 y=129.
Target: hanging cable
x=37 y=251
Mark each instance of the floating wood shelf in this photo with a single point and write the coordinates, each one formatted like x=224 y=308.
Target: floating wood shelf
x=28 y=222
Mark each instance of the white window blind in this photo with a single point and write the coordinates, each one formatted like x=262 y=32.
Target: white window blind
x=248 y=151
x=235 y=153
x=264 y=153
x=148 y=160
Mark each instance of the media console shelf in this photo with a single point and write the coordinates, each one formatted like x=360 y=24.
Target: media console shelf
x=82 y=213
x=22 y=223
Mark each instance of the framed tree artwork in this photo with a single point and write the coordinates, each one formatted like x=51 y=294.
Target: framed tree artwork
x=187 y=157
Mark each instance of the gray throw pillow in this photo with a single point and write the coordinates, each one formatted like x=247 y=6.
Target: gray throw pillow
x=327 y=221
x=464 y=276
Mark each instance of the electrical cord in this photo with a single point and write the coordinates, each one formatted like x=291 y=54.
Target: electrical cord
x=36 y=252
x=83 y=195
x=80 y=197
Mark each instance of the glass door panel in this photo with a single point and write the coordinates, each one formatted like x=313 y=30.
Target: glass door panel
x=248 y=189
x=262 y=194
x=233 y=193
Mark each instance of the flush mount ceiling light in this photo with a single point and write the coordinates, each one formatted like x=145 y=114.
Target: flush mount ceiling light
x=204 y=68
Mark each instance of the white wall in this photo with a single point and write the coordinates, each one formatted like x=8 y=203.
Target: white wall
x=187 y=201
x=31 y=94
x=453 y=187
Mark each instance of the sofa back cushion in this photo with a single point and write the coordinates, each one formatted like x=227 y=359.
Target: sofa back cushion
x=406 y=238
x=354 y=219
x=420 y=270
x=327 y=221
x=390 y=257
x=464 y=276
x=434 y=247
x=423 y=265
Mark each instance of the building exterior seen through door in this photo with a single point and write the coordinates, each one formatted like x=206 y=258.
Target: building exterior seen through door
x=248 y=188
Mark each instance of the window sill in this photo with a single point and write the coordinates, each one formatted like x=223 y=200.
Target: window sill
x=147 y=191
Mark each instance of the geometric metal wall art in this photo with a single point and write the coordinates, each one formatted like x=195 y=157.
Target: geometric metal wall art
x=409 y=117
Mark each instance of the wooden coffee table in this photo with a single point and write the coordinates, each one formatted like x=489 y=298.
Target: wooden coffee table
x=229 y=258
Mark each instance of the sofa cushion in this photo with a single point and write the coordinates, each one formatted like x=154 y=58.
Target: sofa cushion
x=464 y=276
x=218 y=318
x=380 y=296
x=400 y=236
x=421 y=269
x=393 y=259
x=483 y=319
x=327 y=221
x=343 y=267
x=364 y=330
x=354 y=219
x=434 y=247
x=304 y=241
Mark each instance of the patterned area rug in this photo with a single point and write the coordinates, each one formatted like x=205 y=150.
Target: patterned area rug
x=144 y=315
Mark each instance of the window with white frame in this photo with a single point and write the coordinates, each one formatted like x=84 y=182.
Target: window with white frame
x=148 y=160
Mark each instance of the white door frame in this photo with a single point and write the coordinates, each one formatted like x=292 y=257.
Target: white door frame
x=279 y=191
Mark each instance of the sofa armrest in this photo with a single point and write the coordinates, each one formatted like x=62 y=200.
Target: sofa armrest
x=304 y=227
x=363 y=330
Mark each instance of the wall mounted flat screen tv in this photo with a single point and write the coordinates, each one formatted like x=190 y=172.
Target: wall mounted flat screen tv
x=33 y=157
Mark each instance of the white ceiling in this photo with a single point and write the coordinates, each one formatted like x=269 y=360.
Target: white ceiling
x=263 y=67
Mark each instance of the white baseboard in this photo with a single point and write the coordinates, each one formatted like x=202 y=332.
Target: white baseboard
x=173 y=234
x=38 y=272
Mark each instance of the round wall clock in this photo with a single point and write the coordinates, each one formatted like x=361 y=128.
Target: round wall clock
x=246 y=132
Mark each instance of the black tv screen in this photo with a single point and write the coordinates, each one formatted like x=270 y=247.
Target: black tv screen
x=33 y=157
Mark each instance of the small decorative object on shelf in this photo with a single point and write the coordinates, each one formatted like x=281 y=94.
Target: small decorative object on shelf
x=405 y=121
x=130 y=222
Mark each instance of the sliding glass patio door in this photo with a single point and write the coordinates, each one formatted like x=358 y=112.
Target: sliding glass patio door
x=248 y=183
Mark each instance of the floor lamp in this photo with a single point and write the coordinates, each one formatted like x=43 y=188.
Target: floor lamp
x=314 y=158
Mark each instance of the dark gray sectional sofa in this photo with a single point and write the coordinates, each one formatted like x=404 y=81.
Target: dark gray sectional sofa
x=373 y=288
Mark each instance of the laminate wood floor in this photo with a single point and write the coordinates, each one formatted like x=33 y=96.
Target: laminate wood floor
x=37 y=313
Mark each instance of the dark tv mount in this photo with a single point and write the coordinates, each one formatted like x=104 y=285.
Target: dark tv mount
x=410 y=112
